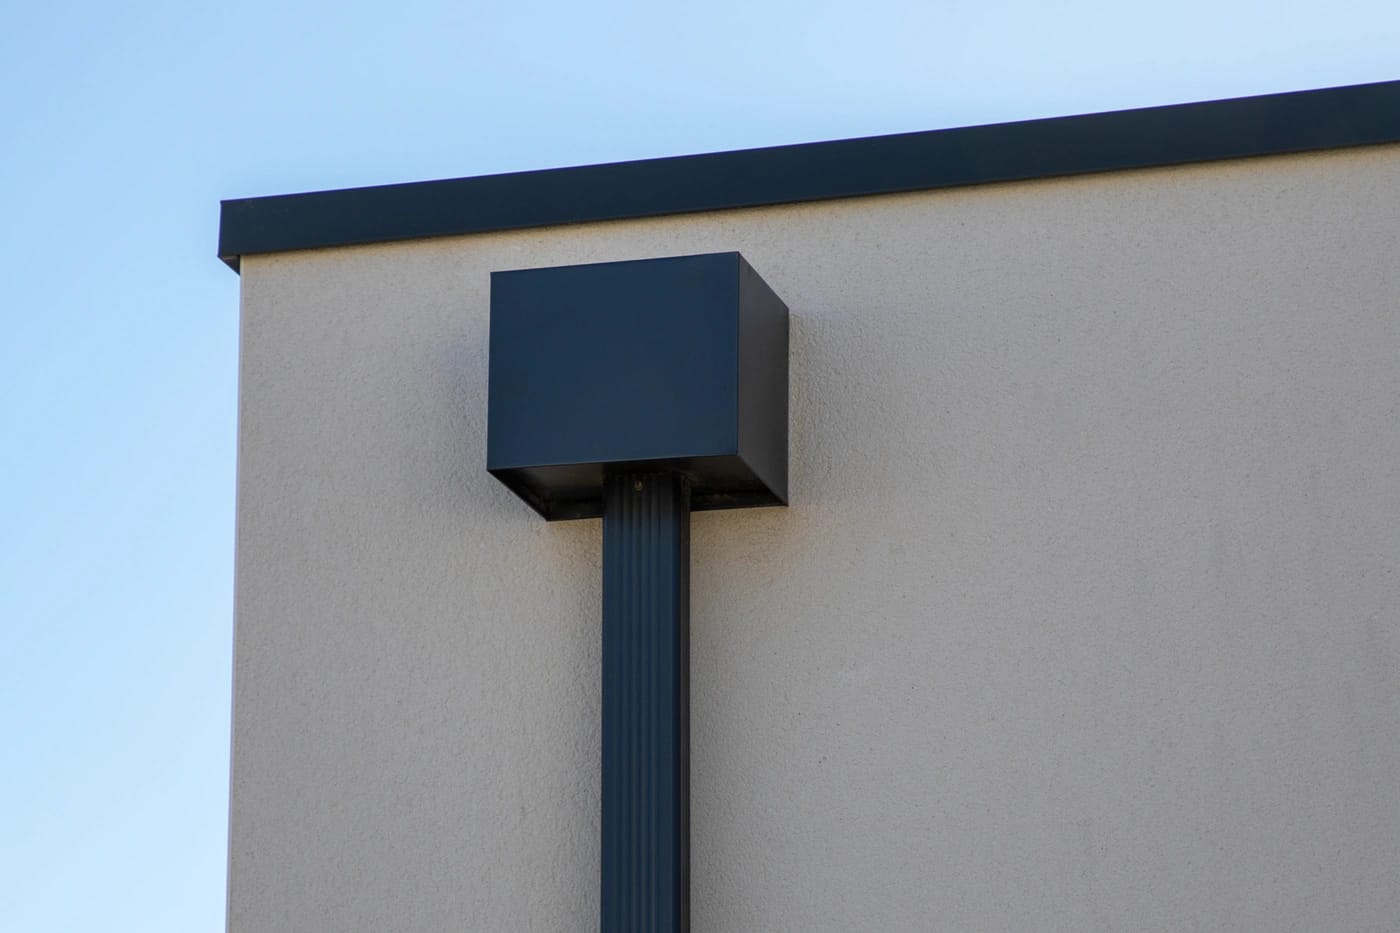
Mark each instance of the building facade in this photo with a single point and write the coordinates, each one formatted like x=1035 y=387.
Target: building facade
x=1082 y=616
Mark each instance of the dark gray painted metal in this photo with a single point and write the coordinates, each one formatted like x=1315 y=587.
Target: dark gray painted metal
x=1300 y=121
x=638 y=391
x=676 y=364
x=646 y=704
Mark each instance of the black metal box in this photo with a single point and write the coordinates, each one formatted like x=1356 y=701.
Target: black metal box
x=658 y=364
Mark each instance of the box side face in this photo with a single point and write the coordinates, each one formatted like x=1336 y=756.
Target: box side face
x=763 y=381
x=613 y=362
x=1083 y=615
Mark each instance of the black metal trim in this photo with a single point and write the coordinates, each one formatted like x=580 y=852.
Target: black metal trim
x=1299 y=121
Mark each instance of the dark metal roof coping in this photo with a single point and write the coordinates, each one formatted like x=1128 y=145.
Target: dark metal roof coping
x=1300 y=121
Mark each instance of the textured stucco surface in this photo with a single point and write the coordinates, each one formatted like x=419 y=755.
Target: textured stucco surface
x=1084 y=615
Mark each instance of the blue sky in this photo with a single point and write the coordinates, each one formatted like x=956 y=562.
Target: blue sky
x=122 y=127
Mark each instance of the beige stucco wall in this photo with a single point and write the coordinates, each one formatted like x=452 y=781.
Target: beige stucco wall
x=1084 y=615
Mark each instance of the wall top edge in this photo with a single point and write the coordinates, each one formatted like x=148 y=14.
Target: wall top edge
x=1273 y=124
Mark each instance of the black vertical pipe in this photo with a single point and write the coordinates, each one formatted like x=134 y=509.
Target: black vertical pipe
x=646 y=704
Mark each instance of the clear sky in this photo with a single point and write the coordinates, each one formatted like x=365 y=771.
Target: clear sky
x=123 y=125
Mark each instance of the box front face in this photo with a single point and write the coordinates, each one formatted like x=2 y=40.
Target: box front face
x=614 y=362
